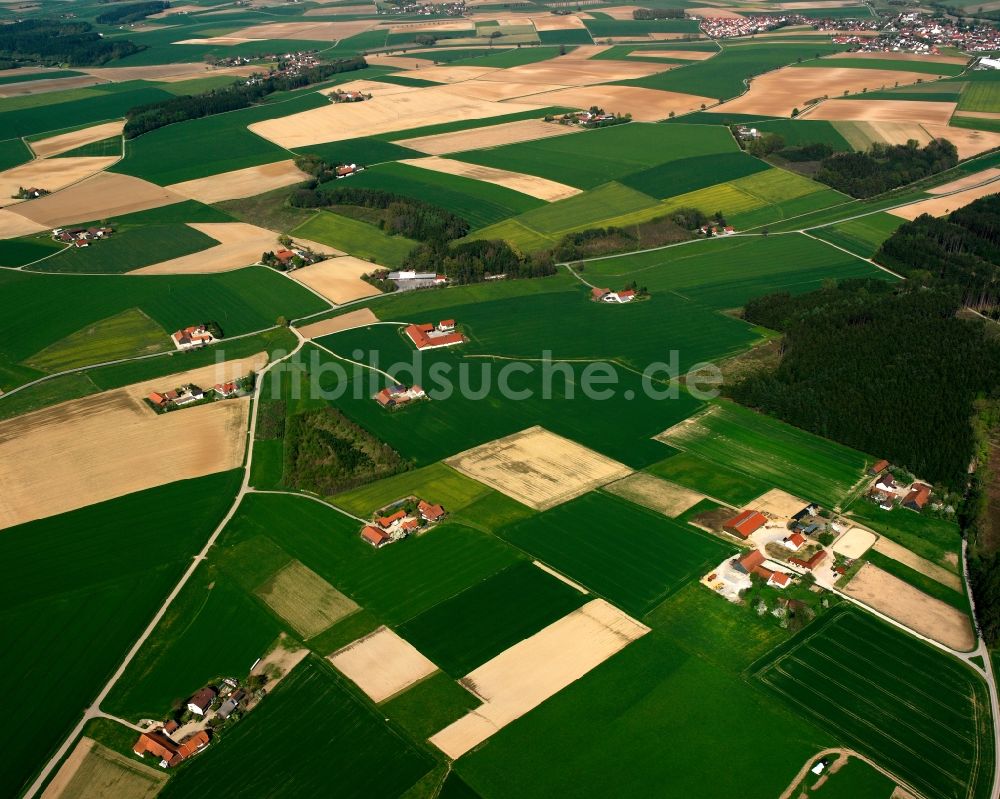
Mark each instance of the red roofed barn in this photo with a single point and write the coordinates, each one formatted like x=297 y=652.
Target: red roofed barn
x=745 y=524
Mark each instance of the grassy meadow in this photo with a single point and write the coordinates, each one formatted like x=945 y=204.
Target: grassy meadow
x=355 y=237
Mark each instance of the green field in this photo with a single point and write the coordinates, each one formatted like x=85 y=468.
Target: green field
x=18 y=252
x=88 y=577
x=980 y=96
x=938 y=540
x=429 y=706
x=812 y=468
x=44 y=309
x=855 y=780
x=437 y=483
x=13 y=152
x=648 y=723
x=722 y=76
x=862 y=236
x=917 y=711
x=798 y=132
x=360 y=151
x=481 y=622
x=129 y=333
x=504 y=59
x=347 y=744
x=105 y=148
x=25 y=77
x=130 y=249
x=690 y=174
x=355 y=238
x=583 y=540
x=478 y=201
x=639 y=27
x=584 y=210
x=711 y=479
x=588 y=159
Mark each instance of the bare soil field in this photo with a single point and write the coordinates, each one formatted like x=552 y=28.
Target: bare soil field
x=401 y=61
x=382 y=114
x=916 y=111
x=861 y=135
x=93 y=771
x=854 y=543
x=496 y=91
x=307 y=31
x=226 y=41
x=101 y=197
x=13 y=225
x=522 y=677
x=240 y=244
x=620 y=12
x=241 y=182
x=181 y=9
x=493 y=136
x=656 y=493
x=350 y=320
x=553 y=22
x=777 y=503
x=922 y=57
x=204 y=376
x=538 y=468
x=456 y=74
x=374 y=88
x=777 y=93
x=584 y=52
x=64 y=142
x=22 y=88
x=305 y=600
x=382 y=664
x=645 y=105
x=111 y=444
x=911 y=607
x=969 y=142
x=166 y=72
x=684 y=55
x=893 y=550
x=939 y=206
x=50 y=175
x=338 y=279
x=279 y=662
x=968 y=182
x=431 y=26
x=543 y=189
x=560 y=72
x=977 y=114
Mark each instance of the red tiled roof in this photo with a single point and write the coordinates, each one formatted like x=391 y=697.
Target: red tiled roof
x=797 y=538
x=627 y=293
x=752 y=560
x=410 y=524
x=780 y=578
x=745 y=523
x=374 y=536
x=447 y=323
x=430 y=512
x=811 y=563
x=919 y=494
x=418 y=335
x=879 y=466
x=385 y=521
x=598 y=293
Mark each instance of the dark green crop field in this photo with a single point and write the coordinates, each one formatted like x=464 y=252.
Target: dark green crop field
x=586 y=539
x=131 y=249
x=98 y=106
x=481 y=622
x=691 y=174
x=77 y=590
x=919 y=712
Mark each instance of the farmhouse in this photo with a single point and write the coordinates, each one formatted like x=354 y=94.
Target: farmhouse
x=397 y=525
x=348 y=97
x=346 y=170
x=607 y=295
x=192 y=337
x=885 y=483
x=745 y=524
x=230 y=705
x=918 y=496
x=778 y=580
x=81 y=237
x=430 y=513
x=202 y=700
x=409 y=279
x=885 y=501
x=398 y=395
x=226 y=390
x=810 y=564
x=375 y=537
x=879 y=466
x=170 y=753
x=430 y=337
x=794 y=541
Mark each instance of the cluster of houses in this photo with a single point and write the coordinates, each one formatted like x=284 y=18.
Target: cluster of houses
x=405 y=520
x=717 y=230
x=747 y=134
x=80 y=236
x=190 y=394
x=288 y=259
x=396 y=396
x=173 y=743
x=407 y=280
x=725 y=28
x=340 y=96
x=190 y=338
x=431 y=337
x=607 y=295
x=886 y=492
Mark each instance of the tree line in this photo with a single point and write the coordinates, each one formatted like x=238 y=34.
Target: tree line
x=658 y=13
x=961 y=252
x=50 y=42
x=123 y=15
x=149 y=117
x=886 y=166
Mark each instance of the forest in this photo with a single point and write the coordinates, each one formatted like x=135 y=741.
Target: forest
x=149 y=117
x=886 y=166
x=900 y=382
x=50 y=42
x=475 y=261
x=657 y=232
x=961 y=251
x=400 y=215
x=658 y=13
x=133 y=12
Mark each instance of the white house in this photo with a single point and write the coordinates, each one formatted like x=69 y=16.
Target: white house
x=794 y=542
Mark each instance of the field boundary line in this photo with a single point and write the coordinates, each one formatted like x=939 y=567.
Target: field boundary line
x=94 y=710
x=252 y=490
